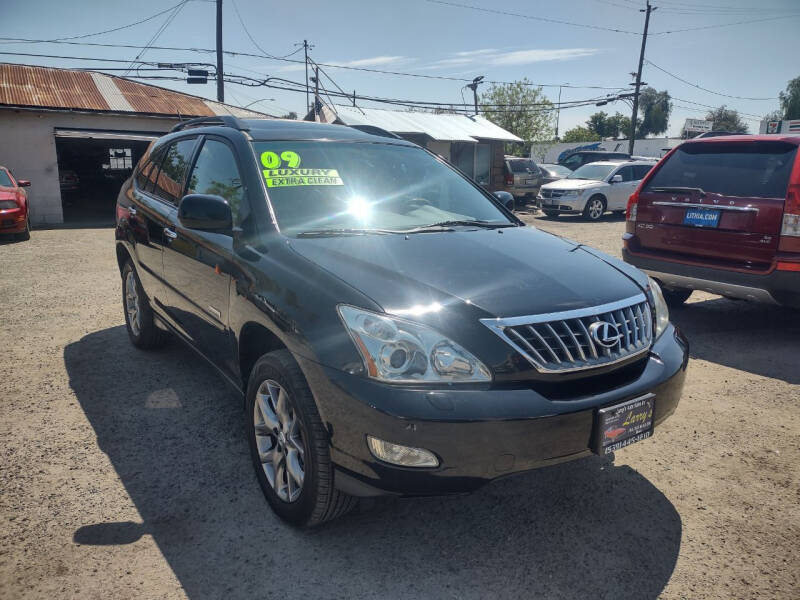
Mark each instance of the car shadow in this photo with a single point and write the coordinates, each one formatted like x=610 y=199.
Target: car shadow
x=174 y=435
x=608 y=217
x=757 y=338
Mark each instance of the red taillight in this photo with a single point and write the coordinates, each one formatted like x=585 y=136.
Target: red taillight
x=790 y=227
x=633 y=206
x=509 y=180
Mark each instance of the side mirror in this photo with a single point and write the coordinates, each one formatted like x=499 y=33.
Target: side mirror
x=205 y=212
x=616 y=179
x=505 y=199
x=23 y=183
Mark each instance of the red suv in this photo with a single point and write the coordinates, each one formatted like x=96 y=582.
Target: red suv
x=721 y=215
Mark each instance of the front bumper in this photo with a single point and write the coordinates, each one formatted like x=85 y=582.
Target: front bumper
x=775 y=287
x=12 y=220
x=562 y=205
x=478 y=434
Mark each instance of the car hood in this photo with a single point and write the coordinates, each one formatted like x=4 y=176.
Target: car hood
x=573 y=184
x=506 y=272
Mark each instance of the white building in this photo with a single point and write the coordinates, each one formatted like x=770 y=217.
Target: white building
x=76 y=135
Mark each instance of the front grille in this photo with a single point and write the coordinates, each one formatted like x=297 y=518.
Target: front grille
x=568 y=341
x=551 y=193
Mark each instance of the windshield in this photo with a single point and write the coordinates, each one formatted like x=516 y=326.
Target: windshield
x=324 y=186
x=556 y=170
x=592 y=171
x=5 y=180
x=521 y=166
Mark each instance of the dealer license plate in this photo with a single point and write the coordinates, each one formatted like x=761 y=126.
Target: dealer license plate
x=623 y=424
x=701 y=217
x=530 y=182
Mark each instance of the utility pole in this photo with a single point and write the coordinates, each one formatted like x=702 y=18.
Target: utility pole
x=220 y=72
x=474 y=87
x=558 y=111
x=632 y=136
x=315 y=79
x=305 y=48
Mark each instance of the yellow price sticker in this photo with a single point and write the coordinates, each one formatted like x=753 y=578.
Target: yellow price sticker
x=272 y=160
x=298 y=177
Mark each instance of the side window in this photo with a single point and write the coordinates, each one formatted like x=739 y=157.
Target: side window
x=626 y=172
x=215 y=172
x=639 y=171
x=152 y=175
x=573 y=162
x=141 y=174
x=169 y=182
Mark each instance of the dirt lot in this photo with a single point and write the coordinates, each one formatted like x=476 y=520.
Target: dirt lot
x=125 y=474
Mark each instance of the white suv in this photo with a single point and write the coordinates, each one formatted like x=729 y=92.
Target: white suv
x=594 y=188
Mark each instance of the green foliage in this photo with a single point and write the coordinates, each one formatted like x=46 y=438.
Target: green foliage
x=775 y=115
x=580 y=134
x=790 y=99
x=726 y=119
x=291 y=115
x=655 y=108
x=605 y=126
x=520 y=108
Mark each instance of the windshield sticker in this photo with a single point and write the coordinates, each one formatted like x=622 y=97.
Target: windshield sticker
x=271 y=160
x=296 y=177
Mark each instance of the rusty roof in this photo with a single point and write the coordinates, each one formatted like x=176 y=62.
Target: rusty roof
x=48 y=87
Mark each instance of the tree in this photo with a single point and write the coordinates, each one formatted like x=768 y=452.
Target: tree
x=775 y=115
x=580 y=134
x=605 y=126
x=292 y=115
x=726 y=119
x=656 y=108
x=520 y=108
x=790 y=99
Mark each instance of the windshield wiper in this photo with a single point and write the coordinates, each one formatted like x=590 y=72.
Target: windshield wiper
x=678 y=190
x=341 y=231
x=446 y=225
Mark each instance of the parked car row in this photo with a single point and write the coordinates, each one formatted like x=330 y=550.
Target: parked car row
x=14 y=217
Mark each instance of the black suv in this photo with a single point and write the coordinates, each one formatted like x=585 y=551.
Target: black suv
x=391 y=327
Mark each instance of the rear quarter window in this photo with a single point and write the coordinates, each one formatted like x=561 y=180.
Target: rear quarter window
x=748 y=170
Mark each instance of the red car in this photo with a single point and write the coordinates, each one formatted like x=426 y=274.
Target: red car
x=14 y=205
x=721 y=214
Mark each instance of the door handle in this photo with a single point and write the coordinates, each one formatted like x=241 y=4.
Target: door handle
x=132 y=211
x=169 y=233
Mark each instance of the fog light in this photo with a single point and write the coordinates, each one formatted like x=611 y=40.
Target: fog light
x=401 y=455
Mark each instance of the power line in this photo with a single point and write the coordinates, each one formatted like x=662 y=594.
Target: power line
x=694 y=85
x=86 y=35
x=250 y=37
x=158 y=32
x=328 y=65
x=722 y=25
x=531 y=17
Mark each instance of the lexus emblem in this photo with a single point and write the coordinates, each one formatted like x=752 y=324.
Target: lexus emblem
x=604 y=333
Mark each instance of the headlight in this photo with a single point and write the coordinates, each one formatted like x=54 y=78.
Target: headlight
x=399 y=351
x=660 y=306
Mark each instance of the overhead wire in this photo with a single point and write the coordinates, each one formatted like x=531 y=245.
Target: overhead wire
x=694 y=85
x=158 y=32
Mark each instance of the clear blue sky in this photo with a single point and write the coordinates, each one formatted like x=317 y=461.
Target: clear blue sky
x=423 y=37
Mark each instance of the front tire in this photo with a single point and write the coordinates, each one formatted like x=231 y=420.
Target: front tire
x=675 y=296
x=594 y=209
x=289 y=444
x=550 y=213
x=26 y=235
x=139 y=318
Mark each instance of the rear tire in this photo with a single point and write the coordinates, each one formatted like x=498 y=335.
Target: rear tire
x=139 y=318
x=287 y=438
x=675 y=296
x=595 y=208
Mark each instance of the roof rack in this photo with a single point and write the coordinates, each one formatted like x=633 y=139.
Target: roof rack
x=223 y=120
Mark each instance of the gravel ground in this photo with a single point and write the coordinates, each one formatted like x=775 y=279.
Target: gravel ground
x=125 y=474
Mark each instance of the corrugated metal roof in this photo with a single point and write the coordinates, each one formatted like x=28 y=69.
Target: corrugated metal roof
x=48 y=87
x=440 y=127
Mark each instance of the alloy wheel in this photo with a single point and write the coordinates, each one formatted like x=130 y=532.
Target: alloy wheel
x=132 y=304
x=279 y=438
x=595 y=208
